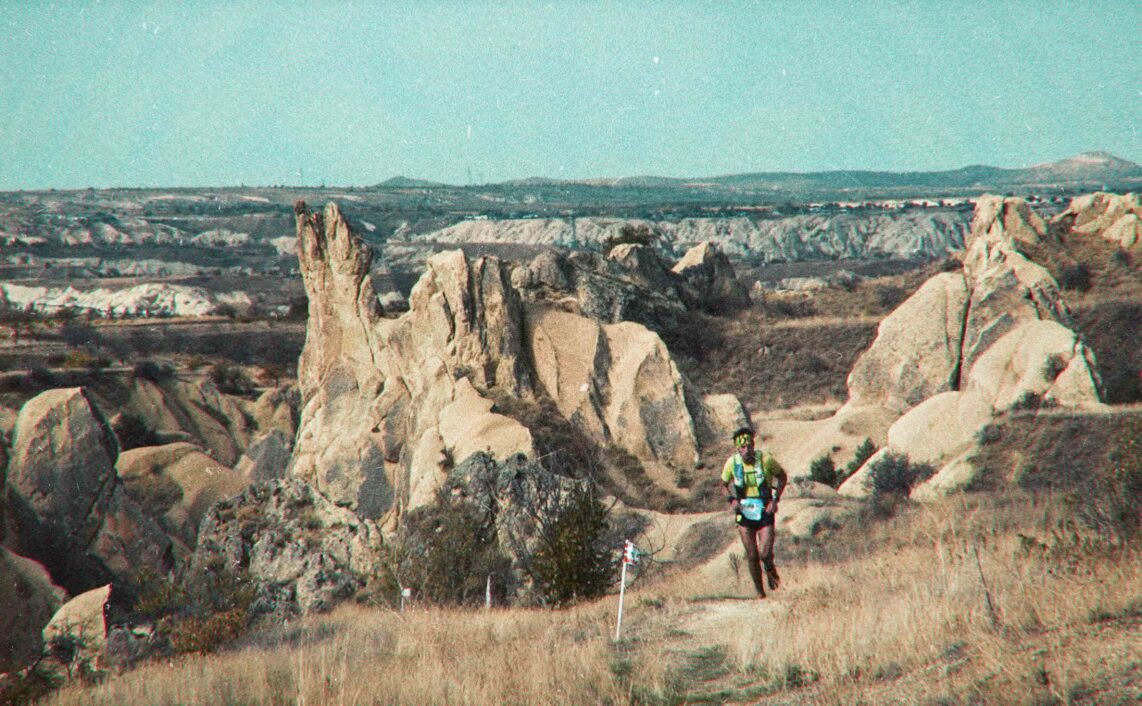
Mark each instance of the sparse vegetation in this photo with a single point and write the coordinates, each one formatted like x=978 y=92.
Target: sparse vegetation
x=893 y=474
x=823 y=470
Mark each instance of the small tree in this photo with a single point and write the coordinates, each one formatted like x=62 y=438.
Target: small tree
x=640 y=234
x=894 y=474
x=823 y=470
x=575 y=560
x=862 y=454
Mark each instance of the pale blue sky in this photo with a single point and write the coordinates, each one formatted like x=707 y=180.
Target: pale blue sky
x=351 y=93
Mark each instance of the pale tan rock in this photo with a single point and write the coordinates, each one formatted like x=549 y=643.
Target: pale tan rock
x=1126 y=231
x=709 y=273
x=427 y=470
x=196 y=479
x=916 y=350
x=859 y=484
x=618 y=383
x=718 y=418
x=1097 y=213
x=1024 y=366
x=997 y=218
x=80 y=622
x=468 y=425
x=955 y=475
x=942 y=426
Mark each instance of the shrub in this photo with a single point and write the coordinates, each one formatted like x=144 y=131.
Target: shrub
x=206 y=611
x=894 y=474
x=862 y=454
x=448 y=551
x=823 y=470
x=575 y=560
x=150 y=370
x=640 y=234
x=231 y=379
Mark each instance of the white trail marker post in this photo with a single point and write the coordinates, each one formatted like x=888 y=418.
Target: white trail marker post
x=630 y=556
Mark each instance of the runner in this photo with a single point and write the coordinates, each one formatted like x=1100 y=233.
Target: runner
x=754 y=483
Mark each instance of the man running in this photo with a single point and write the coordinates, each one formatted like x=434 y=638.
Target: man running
x=754 y=483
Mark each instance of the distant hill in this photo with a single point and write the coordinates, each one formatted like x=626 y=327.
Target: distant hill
x=1089 y=170
x=400 y=182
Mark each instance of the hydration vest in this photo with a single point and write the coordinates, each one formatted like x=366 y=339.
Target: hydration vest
x=751 y=508
x=764 y=492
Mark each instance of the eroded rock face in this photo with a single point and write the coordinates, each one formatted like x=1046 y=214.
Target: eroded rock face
x=373 y=389
x=1115 y=217
x=618 y=383
x=935 y=341
x=388 y=404
x=302 y=552
x=72 y=513
x=709 y=274
x=177 y=484
x=917 y=348
x=970 y=345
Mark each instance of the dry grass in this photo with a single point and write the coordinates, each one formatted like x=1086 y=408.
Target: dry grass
x=981 y=599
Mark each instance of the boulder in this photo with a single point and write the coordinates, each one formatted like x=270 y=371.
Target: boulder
x=917 y=348
x=1115 y=217
x=1037 y=362
x=71 y=511
x=266 y=458
x=30 y=599
x=708 y=273
x=301 y=551
x=618 y=383
x=177 y=483
x=75 y=636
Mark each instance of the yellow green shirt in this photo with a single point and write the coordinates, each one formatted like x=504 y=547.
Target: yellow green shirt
x=772 y=473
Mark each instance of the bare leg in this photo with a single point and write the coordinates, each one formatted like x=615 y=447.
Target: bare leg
x=752 y=557
x=766 y=550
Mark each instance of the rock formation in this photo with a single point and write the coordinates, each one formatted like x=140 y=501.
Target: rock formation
x=1115 y=217
x=72 y=513
x=302 y=552
x=387 y=404
x=968 y=346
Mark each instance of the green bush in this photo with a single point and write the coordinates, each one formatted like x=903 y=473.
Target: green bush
x=894 y=474
x=447 y=552
x=823 y=470
x=203 y=613
x=640 y=234
x=862 y=454
x=575 y=560
x=231 y=379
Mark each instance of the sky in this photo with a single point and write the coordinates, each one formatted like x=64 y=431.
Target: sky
x=304 y=93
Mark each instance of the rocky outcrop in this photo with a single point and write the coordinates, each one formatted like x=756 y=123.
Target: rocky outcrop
x=708 y=273
x=374 y=390
x=388 y=404
x=301 y=551
x=177 y=484
x=969 y=346
x=194 y=412
x=857 y=234
x=1115 y=217
x=632 y=284
x=605 y=289
x=618 y=383
x=140 y=300
x=30 y=599
x=71 y=511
